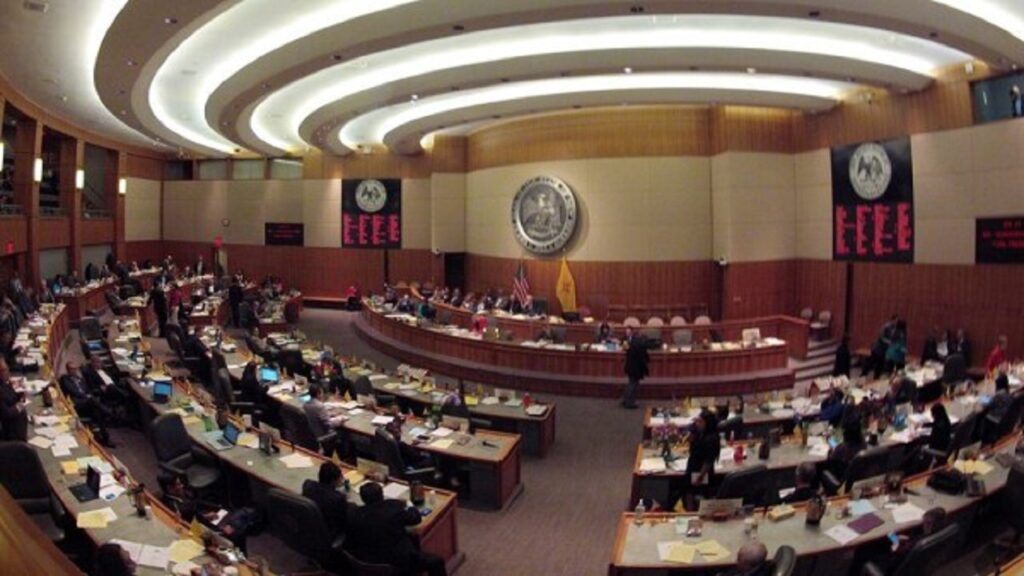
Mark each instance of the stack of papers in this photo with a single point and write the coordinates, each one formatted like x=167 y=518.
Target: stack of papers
x=382 y=420
x=442 y=443
x=907 y=513
x=184 y=550
x=842 y=534
x=297 y=460
x=652 y=465
x=712 y=550
x=973 y=466
x=678 y=552
x=96 y=518
x=396 y=491
x=442 y=432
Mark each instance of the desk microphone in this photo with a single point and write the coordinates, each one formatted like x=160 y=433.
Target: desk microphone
x=489 y=444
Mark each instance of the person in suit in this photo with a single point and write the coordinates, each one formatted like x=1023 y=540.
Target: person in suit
x=321 y=423
x=377 y=533
x=13 y=416
x=603 y=335
x=806 y=484
x=941 y=428
x=636 y=366
x=200 y=266
x=930 y=351
x=159 y=299
x=842 y=363
x=961 y=345
x=102 y=384
x=896 y=353
x=87 y=405
x=853 y=442
x=324 y=493
x=235 y=297
x=1001 y=400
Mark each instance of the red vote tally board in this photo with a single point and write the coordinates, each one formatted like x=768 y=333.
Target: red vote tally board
x=874 y=231
x=378 y=230
x=999 y=240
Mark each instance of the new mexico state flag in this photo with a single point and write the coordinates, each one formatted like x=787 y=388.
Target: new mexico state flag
x=566 y=288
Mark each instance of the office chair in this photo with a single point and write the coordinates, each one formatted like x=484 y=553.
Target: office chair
x=225 y=395
x=387 y=451
x=22 y=474
x=682 y=337
x=954 y=370
x=784 y=561
x=677 y=321
x=868 y=463
x=926 y=556
x=260 y=349
x=297 y=429
x=297 y=521
x=1014 y=513
x=93 y=337
x=964 y=434
x=362 y=386
x=558 y=333
x=751 y=483
x=176 y=454
x=357 y=567
x=992 y=428
x=731 y=427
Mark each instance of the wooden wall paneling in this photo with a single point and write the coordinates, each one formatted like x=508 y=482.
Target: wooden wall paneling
x=54 y=232
x=382 y=165
x=413 y=266
x=97 y=231
x=599 y=284
x=942 y=106
x=449 y=154
x=144 y=167
x=13 y=229
x=749 y=129
x=986 y=300
x=758 y=289
x=598 y=133
x=821 y=285
x=143 y=250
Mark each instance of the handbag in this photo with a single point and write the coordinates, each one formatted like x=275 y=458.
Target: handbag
x=948 y=480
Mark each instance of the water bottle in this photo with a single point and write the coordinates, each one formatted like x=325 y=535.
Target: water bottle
x=638 y=513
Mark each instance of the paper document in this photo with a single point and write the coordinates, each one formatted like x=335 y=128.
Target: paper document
x=184 y=550
x=652 y=465
x=442 y=432
x=297 y=460
x=841 y=533
x=155 y=556
x=712 y=550
x=40 y=442
x=442 y=443
x=382 y=420
x=861 y=507
x=396 y=491
x=907 y=513
x=971 y=466
x=96 y=518
x=70 y=467
x=678 y=552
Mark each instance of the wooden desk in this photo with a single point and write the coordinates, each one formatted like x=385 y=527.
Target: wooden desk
x=437 y=532
x=24 y=548
x=82 y=300
x=576 y=372
x=635 y=551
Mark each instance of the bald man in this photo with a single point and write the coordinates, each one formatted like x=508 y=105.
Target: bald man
x=751 y=560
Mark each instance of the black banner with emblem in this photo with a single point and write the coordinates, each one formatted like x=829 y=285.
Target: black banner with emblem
x=371 y=213
x=873 y=202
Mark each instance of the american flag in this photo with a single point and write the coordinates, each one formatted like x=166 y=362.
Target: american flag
x=520 y=285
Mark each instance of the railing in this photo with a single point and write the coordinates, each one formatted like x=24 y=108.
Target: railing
x=96 y=214
x=52 y=211
x=11 y=210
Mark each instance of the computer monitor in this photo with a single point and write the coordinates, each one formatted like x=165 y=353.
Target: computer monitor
x=231 y=433
x=162 y=391
x=269 y=374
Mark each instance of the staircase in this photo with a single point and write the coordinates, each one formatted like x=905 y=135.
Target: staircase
x=821 y=357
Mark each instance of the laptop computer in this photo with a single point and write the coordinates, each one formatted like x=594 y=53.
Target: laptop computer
x=162 y=390
x=223 y=439
x=269 y=374
x=90 y=489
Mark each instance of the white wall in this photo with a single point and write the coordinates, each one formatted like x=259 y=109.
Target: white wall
x=142 y=210
x=754 y=206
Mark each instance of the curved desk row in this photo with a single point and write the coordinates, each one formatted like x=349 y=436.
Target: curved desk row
x=794 y=331
x=576 y=372
x=636 y=549
x=256 y=471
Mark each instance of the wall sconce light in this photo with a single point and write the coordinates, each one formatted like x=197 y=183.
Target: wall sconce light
x=79 y=179
x=122 y=186
x=37 y=170
x=1 y=152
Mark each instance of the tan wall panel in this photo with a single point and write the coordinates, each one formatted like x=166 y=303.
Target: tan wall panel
x=142 y=210
x=754 y=206
x=448 y=212
x=416 y=213
x=630 y=209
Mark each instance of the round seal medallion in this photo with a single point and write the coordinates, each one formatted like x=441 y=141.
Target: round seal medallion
x=870 y=171
x=371 y=195
x=544 y=214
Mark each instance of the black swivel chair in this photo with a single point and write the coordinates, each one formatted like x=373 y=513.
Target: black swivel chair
x=732 y=426
x=927 y=555
x=298 y=522
x=22 y=474
x=784 y=561
x=868 y=463
x=993 y=429
x=192 y=364
x=965 y=433
x=228 y=398
x=1013 y=494
x=176 y=454
x=297 y=429
x=93 y=337
x=954 y=370
x=387 y=451
x=751 y=483
x=357 y=567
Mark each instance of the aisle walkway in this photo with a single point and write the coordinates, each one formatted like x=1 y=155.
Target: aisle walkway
x=578 y=490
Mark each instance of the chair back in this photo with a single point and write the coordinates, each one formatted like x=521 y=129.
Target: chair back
x=1012 y=417
x=702 y=320
x=89 y=328
x=169 y=438
x=652 y=335
x=296 y=428
x=806 y=314
x=931 y=552
x=631 y=321
x=750 y=483
x=682 y=337
x=1014 y=503
x=868 y=463
x=966 y=433
x=22 y=473
x=363 y=386
x=387 y=451
x=174 y=328
x=655 y=321
x=954 y=370
x=825 y=317
x=174 y=342
x=784 y=562
x=223 y=392
x=298 y=522
x=359 y=568
x=677 y=321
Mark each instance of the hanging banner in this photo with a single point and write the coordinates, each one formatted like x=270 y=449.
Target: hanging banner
x=873 y=202
x=371 y=213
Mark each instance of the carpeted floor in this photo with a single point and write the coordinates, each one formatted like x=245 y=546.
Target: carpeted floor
x=563 y=523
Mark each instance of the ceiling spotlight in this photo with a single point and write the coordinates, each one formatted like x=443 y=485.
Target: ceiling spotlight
x=751 y=70
x=627 y=70
x=170 y=20
x=132 y=62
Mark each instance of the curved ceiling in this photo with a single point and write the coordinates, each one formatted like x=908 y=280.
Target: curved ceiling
x=234 y=77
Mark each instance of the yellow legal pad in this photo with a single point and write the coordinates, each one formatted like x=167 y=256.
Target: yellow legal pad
x=185 y=550
x=70 y=467
x=96 y=518
x=712 y=550
x=973 y=466
x=682 y=553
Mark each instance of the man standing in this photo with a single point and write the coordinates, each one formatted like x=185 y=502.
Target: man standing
x=235 y=296
x=636 y=366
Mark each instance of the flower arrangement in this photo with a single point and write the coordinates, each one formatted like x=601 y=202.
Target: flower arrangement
x=665 y=437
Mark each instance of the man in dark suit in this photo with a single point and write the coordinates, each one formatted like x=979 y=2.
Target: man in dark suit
x=324 y=493
x=636 y=366
x=103 y=385
x=86 y=404
x=235 y=297
x=377 y=533
x=159 y=299
x=13 y=416
x=806 y=480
